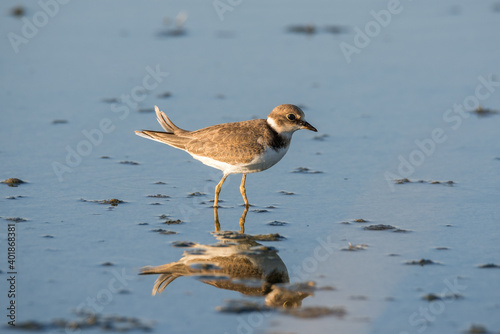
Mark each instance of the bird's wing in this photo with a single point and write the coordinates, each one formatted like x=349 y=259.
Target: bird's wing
x=239 y=142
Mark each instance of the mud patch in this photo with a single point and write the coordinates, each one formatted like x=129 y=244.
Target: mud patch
x=195 y=194
x=405 y=180
x=183 y=244
x=311 y=29
x=128 y=162
x=286 y=192
x=277 y=223
x=421 y=262
x=489 y=266
x=16 y=219
x=13 y=182
x=163 y=231
x=353 y=248
x=484 y=112
x=321 y=137
x=477 y=329
x=305 y=170
x=112 y=201
x=90 y=321
x=159 y=196
x=59 y=121
x=433 y=296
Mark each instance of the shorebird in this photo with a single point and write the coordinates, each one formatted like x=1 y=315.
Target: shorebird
x=235 y=148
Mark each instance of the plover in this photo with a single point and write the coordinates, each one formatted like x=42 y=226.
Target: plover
x=235 y=148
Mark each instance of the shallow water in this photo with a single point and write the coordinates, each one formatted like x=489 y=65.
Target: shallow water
x=73 y=253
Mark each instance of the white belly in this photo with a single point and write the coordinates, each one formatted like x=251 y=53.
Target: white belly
x=259 y=163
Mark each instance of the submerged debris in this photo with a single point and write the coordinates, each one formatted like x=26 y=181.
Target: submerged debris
x=477 y=329
x=432 y=296
x=379 y=227
x=59 y=121
x=178 y=29
x=13 y=182
x=311 y=29
x=14 y=197
x=195 y=194
x=277 y=223
x=162 y=231
x=112 y=201
x=488 y=266
x=421 y=262
x=159 y=196
x=286 y=192
x=110 y=100
x=308 y=29
x=355 y=247
x=482 y=112
x=89 y=320
x=173 y=222
x=164 y=95
x=305 y=170
x=107 y=264
x=405 y=180
x=18 y=11
x=16 y=219
x=183 y=244
x=260 y=210
x=321 y=137
x=128 y=162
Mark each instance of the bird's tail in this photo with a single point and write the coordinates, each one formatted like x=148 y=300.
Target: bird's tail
x=167 y=124
x=174 y=136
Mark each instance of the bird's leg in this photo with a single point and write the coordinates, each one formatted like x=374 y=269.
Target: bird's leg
x=242 y=220
x=216 y=220
x=243 y=190
x=217 y=190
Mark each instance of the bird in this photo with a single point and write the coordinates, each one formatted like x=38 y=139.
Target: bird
x=235 y=148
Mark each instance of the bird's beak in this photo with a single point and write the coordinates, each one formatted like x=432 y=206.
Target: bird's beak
x=308 y=126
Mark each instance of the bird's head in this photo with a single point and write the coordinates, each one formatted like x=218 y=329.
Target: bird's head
x=287 y=118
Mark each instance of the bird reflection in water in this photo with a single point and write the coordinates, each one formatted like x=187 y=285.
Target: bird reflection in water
x=242 y=219
x=236 y=262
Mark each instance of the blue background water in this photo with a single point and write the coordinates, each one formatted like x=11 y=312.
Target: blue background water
x=396 y=90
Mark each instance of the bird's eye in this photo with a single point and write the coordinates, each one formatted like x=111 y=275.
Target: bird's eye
x=290 y=117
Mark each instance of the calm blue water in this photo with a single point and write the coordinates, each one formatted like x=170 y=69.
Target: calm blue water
x=391 y=112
